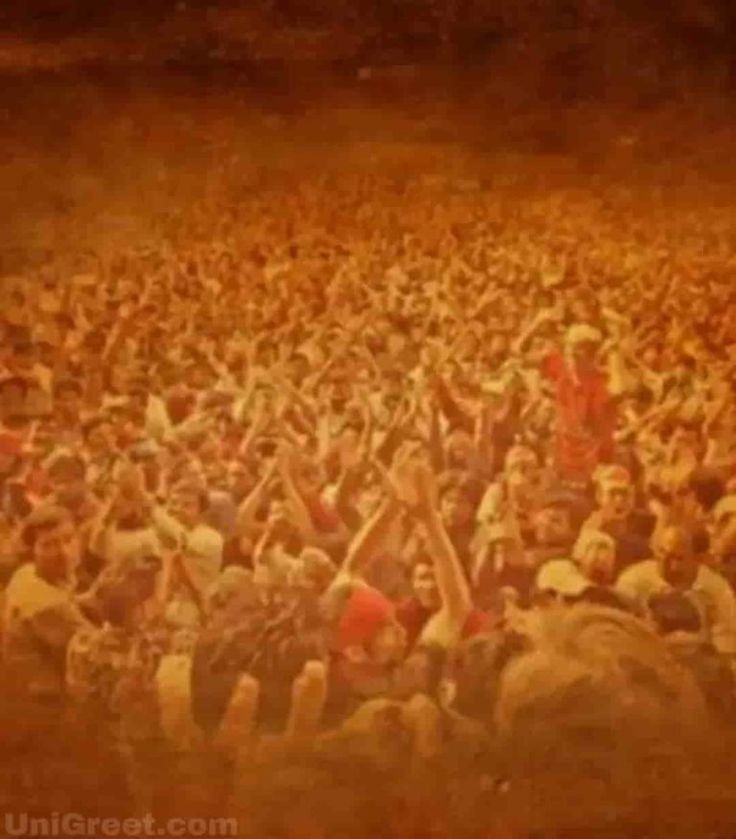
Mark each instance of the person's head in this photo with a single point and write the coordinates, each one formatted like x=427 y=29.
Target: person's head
x=67 y=473
x=459 y=499
x=22 y=354
x=340 y=395
x=723 y=528
x=595 y=555
x=521 y=466
x=189 y=503
x=424 y=584
x=597 y=682
x=129 y=509
x=553 y=522
x=130 y=584
x=233 y=589
x=240 y=480
x=459 y=449
x=421 y=672
x=300 y=366
x=13 y=393
x=46 y=352
x=687 y=439
x=68 y=398
x=651 y=356
x=673 y=611
x=99 y=435
x=614 y=493
x=11 y=449
x=317 y=569
x=51 y=540
x=387 y=647
x=582 y=342
x=675 y=556
x=368 y=632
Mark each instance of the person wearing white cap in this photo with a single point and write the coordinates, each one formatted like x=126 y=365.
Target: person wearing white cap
x=588 y=577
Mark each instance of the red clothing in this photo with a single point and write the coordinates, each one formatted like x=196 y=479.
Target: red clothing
x=366 y=612
x=412 y=616
x=324 y=517
x=586 y=417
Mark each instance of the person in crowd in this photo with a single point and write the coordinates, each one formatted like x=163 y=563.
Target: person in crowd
x=616 y=515
x=587 y=577
x=196 y=550
x=676 y=567
x=356 y=470
x=41 y=613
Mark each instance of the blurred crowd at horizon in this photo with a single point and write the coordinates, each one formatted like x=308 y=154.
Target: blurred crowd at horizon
x=581 y=48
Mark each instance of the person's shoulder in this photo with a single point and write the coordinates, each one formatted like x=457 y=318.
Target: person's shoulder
x=20 y=577
x=205 y=535
x=713 y=579
x=642 y=568
x=28 y=591
x=557 y=565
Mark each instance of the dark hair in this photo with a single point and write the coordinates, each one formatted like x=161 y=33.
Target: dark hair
x=673 y=611
x=189 y=487
x=479 y=663
x=91 y=424
x=469 y=486
x=701 y=541
x=708 y=490
x=43 y=518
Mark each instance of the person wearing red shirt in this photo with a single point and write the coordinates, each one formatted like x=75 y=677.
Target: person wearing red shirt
x=586 y=412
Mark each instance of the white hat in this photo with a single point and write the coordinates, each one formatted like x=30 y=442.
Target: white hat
x=581 y=333
x=588 y=537
x=561 y=576
x=726 y=506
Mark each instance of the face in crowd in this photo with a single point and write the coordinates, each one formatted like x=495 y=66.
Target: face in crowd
x=521 y=466
x=553 y=526
x=388 y=645
x=424 y=585
x=615 y=499
x=723 y=528
x=595 y=554
x=189 y=505
x=53 y=543
x=673 y=551
x=67 y=477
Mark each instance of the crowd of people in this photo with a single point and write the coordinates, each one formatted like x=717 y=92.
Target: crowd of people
x=372 y=484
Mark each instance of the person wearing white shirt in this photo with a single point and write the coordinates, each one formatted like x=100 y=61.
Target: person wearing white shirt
x=676 y=567
x=198 y=551
x=40 y=613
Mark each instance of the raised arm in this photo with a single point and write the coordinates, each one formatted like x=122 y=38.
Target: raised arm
x=370 y=539
x=451 y=580
x=250 y=504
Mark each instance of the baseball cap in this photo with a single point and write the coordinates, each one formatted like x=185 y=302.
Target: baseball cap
x=580 y=333
x=561 y=576
x=366 y=611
